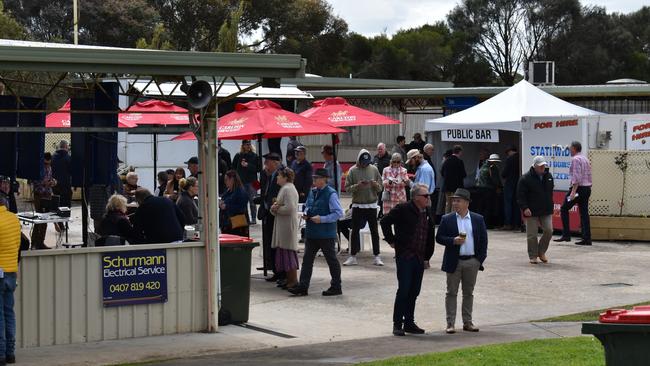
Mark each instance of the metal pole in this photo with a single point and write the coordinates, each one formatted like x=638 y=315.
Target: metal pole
x=259 y=154
x=155 y=160
x=334 y=169
x=75 y=10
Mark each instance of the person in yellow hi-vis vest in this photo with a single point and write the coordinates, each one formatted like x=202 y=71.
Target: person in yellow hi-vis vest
x=9 y=248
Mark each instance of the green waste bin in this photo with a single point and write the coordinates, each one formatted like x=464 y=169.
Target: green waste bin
x=625 y=335
x=235 y=278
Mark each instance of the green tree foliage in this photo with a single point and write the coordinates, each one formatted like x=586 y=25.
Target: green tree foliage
x=159 y=40
x=229 y=31
x=9 y=28
x=508 y=33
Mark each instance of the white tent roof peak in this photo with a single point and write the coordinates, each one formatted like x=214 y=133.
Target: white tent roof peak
x=505 y=110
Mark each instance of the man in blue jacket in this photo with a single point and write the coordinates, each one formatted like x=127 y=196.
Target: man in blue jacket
x=464 y=235
x=322 y=211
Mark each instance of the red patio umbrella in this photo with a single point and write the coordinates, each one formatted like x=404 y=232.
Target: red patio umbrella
x=61 y=118
x=339 y=113
x=167 y=113
x=265 y=119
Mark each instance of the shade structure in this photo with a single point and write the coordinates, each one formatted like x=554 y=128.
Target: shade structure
x=505 y=110
x=165 y=113
x=339 y=113
x=265 y=119
x=61 y=118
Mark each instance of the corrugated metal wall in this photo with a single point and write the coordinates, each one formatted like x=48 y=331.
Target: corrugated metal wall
x=59 y=298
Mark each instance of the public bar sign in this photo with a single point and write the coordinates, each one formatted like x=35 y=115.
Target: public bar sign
x=638 y=135
x=134 y=277
x=469 y=135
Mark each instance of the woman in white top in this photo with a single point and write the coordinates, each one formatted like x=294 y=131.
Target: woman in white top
x=285 y=227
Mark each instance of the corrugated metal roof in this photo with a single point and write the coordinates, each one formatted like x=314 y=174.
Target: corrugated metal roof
x=37 y=56
x=486 y=92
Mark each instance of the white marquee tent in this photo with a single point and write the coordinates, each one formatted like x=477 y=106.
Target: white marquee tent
x=505 y=110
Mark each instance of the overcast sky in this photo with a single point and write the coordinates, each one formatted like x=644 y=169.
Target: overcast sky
x=372 y=17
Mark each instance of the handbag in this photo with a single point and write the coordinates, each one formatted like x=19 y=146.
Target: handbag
x=238 y=221
x=385 y=196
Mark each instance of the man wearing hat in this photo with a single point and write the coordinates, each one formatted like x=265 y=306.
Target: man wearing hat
x=321 y=213
x=464 y=235
x=424 y=172
x=364 y=183
x=535 y=198
x=303 y=170
x=269 y=189
x=247 y=164
x=193 y=166
x=489 y=187
x=510 y=175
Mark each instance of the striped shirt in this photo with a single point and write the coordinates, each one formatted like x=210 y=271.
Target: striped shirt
x=580 y=171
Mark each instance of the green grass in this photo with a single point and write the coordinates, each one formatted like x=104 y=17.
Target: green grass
x=578 y=351
x=587 y=316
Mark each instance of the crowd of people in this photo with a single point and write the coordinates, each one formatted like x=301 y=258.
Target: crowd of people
x=400 y=192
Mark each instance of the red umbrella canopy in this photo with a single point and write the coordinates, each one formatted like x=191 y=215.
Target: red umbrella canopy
x=339 y=113
x=61 y=118
x=169 y=113
x=266 y=118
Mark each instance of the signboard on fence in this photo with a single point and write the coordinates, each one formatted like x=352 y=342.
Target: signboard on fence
x=638 y=134
x=134 y=277
x=469 y=135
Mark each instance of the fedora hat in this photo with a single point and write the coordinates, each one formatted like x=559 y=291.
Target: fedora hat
x=462 y=193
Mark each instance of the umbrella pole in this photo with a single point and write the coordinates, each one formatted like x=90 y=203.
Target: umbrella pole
x=155 y=159
x=259 y=154
x=335 y=171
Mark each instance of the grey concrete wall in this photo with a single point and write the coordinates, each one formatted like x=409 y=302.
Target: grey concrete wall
x=59 y=297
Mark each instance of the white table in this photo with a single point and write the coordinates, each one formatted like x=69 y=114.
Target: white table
x=36 y=218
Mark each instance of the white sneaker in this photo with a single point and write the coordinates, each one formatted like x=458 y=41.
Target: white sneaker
x=351 y=261
x=377 y=261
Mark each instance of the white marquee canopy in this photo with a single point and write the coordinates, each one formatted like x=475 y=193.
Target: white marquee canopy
x=505 y=110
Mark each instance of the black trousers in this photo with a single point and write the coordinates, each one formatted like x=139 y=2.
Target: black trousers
x=267 y=236
x=359 y=218
x=39 y=230
x=409 y=282
x=327 y=246
x=584 y=192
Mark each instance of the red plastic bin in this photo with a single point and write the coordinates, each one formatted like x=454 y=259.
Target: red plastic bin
x=638 y=315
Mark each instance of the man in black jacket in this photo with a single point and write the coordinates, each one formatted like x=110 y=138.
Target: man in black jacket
x=158 y=219
x=453 y=172
x=413 y=241
x=269 y=189
x=381 y=161
x=535 y=198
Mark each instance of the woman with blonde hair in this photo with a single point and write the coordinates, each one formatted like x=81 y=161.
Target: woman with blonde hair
x=189 y=189
x=395 y=180
x=285 y=228
x=116 y=222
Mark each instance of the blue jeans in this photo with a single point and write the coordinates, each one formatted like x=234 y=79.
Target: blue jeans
x=409 y=282
x=7 y=316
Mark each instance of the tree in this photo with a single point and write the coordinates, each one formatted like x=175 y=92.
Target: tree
x=507 y=33
x=159 y=40
x=229 y=31
x=9 y=28
x=44 y=20
x=115 y=23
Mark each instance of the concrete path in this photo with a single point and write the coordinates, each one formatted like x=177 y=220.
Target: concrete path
x=509 y=291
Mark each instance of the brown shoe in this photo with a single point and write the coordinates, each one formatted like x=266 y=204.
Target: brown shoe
x=450 y=329
x=542 y=257
x=469 y=327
